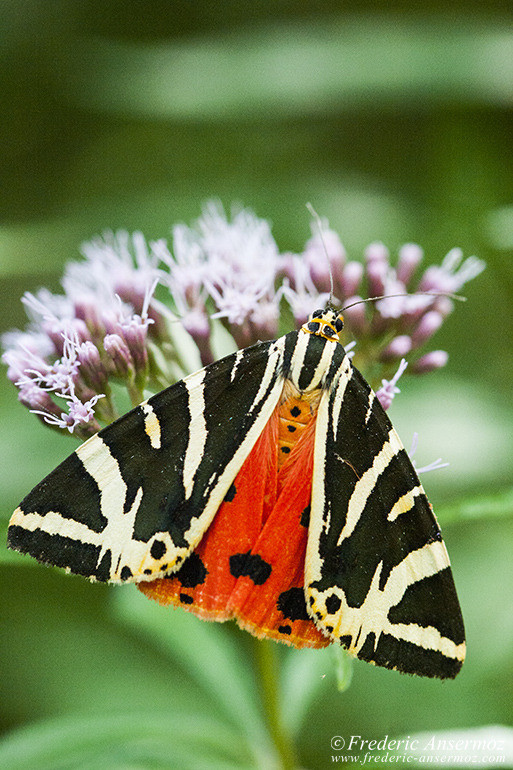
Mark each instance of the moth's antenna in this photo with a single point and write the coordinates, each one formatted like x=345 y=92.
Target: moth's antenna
x=321 y=234
x=459 y=297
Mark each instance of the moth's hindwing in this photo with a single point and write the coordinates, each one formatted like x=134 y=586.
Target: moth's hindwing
x=377 y=574
x=133 y=501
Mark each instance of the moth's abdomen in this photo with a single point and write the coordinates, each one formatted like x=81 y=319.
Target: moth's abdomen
x=296 y=415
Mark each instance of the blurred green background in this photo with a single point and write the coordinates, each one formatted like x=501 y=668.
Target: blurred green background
x=396 y=121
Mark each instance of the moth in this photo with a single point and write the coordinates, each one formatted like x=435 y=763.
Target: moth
x=271 y=488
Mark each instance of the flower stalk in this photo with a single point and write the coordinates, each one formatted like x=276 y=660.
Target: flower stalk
x=268 y=675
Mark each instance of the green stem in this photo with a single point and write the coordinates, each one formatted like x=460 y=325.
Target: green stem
x=266 y=661
x=136 y=394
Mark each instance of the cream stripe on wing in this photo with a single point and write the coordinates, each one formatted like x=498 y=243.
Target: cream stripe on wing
x=117 y=536
x=197 y=429
x=372 y=396
x=53 y=523
x=238 y=358
x=298 y=357
x=405 y=503
x=346 y=372
x=151 y=425
x=371 y=617
x=274 y=360
x=364 y=486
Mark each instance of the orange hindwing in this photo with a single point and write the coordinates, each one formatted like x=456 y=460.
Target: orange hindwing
x=250 y=563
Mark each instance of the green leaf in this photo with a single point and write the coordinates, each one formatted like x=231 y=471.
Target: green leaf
x=305 y=674
x=479 y=507
x=211 y=654
x=500 y=228
x=343 y=667
x=485 y=746
x=147 y=740
x=296 y=69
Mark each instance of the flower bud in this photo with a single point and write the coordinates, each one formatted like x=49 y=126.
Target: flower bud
x=34 y=397
x=377 y=252
x=428 y=325
x=356 y=317
x=118 y=352
x=436 y=359
x=399 y=347
x=376 y=275
x=351 y=277
x=410 y=256
x=91 y=367
x=134 y=333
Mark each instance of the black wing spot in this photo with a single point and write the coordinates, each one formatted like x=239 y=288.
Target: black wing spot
x=329 y=629
x=305 y=517
x=285 y=630
x=346 y=640
x=186 y=599
x=148 y=571
x=192 y=573
x=126 y=573
x=285 y=450
x=292 y=604
x=230 y=494
x=250 y=565
x=158 y=549
x=291 y=428
x=333 y=604
x=295 y=411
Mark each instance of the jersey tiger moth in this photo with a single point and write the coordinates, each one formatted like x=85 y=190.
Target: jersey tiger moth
x=269 y=487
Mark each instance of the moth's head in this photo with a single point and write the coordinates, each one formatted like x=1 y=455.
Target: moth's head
x=327 y=323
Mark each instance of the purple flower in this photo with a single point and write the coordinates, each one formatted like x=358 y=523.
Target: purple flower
x=300 y=290
x=107 y=327
x=389 y=389
x=433 y=466
x=80 y=415
x=323 y=255
x=436 y=359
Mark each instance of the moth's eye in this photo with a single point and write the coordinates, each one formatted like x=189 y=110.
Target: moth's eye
x=339 y=324
x=317 y=313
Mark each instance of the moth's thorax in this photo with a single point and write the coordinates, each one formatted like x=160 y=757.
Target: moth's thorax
x=315 y=352
x=327 y=323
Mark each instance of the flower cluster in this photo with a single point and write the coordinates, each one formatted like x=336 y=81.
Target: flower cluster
x=121 y=318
